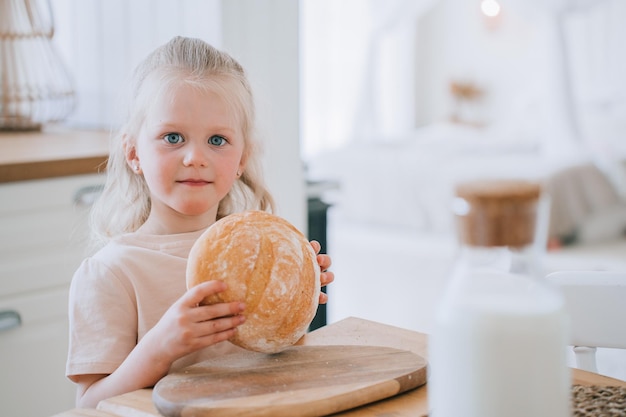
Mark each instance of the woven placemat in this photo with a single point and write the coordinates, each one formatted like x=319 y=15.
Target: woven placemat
x=596 y=401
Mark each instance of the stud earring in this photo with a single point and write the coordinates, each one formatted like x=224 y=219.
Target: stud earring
x=135 y=167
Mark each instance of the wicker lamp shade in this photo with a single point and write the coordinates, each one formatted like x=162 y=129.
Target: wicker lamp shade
x=35 y=86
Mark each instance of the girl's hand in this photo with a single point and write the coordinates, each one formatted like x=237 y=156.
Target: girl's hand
x=187 y=326
x=184 y=328
x=324 y=261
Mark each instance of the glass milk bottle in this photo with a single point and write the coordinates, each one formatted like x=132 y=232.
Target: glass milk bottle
x=498 y=348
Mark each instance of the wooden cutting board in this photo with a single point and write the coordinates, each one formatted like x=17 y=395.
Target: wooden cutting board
x=300 y=381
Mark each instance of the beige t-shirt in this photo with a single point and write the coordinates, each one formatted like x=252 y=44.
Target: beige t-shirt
x=120 y=293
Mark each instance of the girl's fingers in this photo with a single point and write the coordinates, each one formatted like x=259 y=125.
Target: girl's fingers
x=316 y=246
x=324 y=261
x=201 y=313
x=326 y=278
x=196 y=294
x=213 y=338
x=220 y=325
x=323 y=298
x=214 y=311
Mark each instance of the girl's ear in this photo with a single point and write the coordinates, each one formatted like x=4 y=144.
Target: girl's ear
x=242 y=167
x=130 y=152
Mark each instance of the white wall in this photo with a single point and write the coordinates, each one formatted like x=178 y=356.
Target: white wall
x=264 y=36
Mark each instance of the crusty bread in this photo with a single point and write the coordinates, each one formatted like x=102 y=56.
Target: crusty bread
x=268 y=264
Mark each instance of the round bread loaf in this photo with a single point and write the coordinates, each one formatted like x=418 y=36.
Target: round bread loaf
x=268 y=264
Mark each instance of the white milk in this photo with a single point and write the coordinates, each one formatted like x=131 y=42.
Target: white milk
x=499 y=350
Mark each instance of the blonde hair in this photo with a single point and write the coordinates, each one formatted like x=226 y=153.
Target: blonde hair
x=124 y=204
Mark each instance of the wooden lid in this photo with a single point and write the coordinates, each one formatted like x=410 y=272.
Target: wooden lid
x=497 y=212
x=499 y=190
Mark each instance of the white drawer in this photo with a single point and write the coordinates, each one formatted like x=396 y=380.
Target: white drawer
x=35 y=230
x=38 y=308
x=50 y=268
x=33 y=356
x=43 y=231
x=36 y=195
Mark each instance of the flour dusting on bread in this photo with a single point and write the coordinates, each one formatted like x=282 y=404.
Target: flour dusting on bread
x=268 y=264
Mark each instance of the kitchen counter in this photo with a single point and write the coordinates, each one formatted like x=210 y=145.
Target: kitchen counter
x=350 y=331
x=53 y=152
x=48 y=181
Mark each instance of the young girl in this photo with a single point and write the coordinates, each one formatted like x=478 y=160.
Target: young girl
x=185 y=157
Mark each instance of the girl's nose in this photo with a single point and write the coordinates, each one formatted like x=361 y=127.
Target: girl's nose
x=195 y=155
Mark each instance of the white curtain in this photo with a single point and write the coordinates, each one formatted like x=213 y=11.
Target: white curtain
x=587 y=89
x=357 y=63
x=103 y=40
x=598 y=64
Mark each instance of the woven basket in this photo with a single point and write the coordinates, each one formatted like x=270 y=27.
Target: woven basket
x=595 y=401
x=35 y=86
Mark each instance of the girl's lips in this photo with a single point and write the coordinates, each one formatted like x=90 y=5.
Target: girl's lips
x=192 y=181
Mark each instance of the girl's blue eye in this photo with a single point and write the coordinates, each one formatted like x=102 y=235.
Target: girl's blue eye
x=173 y=138
x=217 y=140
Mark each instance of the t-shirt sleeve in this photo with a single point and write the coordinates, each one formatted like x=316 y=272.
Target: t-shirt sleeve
x=102 y=320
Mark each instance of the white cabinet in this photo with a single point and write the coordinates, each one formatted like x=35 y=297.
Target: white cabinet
x=43 y=238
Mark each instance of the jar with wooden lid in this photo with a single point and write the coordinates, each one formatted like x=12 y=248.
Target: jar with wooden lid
x=498 y=347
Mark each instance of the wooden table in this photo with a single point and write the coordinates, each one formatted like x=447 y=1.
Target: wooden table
x=350 y=331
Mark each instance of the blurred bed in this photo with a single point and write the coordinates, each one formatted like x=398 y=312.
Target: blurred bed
x=408 y=183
